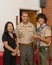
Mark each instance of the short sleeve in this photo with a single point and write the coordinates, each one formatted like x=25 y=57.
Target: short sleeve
x=4 y=38
x=15 y=35
x=47 y=31
x=17 y=32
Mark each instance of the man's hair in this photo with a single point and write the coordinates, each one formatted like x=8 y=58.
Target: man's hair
x=41 y=15
x=24 y=12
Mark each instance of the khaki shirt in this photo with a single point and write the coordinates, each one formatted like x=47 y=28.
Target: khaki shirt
x=45 y=33
x=25 y=32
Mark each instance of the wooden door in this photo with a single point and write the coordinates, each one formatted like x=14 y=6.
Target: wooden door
x=32 y=16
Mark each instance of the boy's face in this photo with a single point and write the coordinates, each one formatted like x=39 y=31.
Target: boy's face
x=41 y=21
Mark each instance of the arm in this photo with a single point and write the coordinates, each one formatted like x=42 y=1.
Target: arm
x=47 y=36
x=17 y=47
x=17 y=41
x=8 y=47
x=46 y=39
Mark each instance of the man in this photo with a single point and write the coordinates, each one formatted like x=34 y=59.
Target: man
x=24 y=32
x=43 y=39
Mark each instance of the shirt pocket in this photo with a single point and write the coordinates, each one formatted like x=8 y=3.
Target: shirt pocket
x=43 y=33
x=21 y=33
x=30 y=32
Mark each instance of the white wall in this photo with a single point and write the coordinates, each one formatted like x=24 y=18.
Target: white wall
x=9 y=9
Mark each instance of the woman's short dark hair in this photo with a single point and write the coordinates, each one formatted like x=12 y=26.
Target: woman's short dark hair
x=5 y=29
x=41 y=15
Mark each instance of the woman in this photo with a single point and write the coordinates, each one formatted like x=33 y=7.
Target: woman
x=43 y=39
x=9 y=41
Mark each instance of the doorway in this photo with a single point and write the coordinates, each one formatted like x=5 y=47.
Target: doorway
x=32 y=15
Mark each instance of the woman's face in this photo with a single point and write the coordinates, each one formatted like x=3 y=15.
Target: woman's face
x=10 y=27
x=41 y=21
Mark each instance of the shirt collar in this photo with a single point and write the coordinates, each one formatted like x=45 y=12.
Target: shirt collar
x=28 y=24
x=43 y=25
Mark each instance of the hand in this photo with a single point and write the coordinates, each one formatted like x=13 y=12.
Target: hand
x=36 y=37
x=18 y=52
x=14 y=53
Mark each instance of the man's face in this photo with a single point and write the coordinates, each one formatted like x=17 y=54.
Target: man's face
x=25 y=17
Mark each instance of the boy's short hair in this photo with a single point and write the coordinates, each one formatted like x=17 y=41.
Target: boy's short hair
x=41 y=15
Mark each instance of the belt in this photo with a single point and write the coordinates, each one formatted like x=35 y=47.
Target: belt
x=44 y=46
x=29 y=44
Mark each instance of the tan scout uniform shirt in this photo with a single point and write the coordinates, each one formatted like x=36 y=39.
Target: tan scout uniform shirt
x=45 y=33
x=25 y=32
